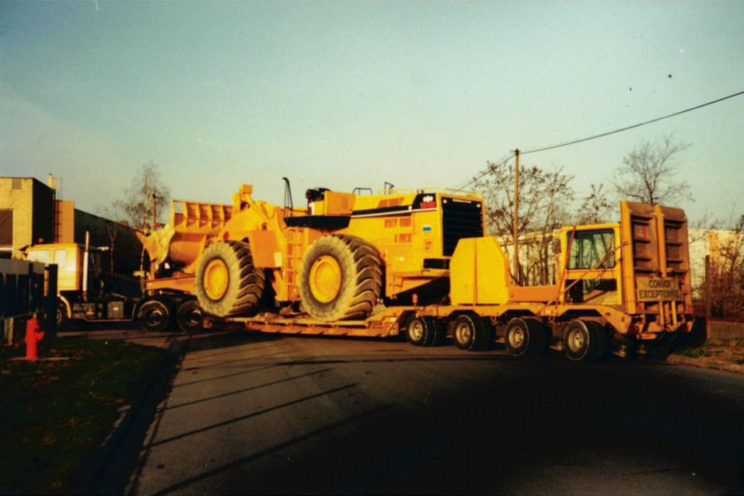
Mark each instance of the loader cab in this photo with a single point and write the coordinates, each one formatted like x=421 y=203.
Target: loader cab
x=590 y=256
x=326 y=209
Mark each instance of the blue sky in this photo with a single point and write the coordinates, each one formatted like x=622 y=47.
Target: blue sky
x=346 y=94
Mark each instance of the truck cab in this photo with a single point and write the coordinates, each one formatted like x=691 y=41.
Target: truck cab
x=85 y=291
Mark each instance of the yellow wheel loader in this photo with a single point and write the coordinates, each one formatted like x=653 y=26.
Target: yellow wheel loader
x=336 y=259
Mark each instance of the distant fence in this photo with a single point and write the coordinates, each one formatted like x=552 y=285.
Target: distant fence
x=24 y=290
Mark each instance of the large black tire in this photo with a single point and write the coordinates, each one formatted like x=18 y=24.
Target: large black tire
x=227 y=284
x=585 y=340
x=153 y=316
x=525 y=337
x=470 y=332
x=340 y=278
x=189 y=316
x=424 y=331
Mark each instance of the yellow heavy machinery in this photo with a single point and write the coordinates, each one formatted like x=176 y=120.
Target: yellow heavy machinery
x=418 y=263
x=619 y=285
x=336 y=259
x=173 y=253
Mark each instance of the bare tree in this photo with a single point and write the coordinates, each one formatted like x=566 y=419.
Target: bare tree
x=543 y=198
x=137 y=205
x=724 y=284
x=595 y=207
x=648 y=173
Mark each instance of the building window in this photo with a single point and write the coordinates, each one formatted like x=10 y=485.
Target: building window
x=6 y=227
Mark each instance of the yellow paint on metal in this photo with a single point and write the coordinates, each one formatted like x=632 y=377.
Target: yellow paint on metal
x=69 y=260
x=325 y=278
x=216 y=279
x=479 y=272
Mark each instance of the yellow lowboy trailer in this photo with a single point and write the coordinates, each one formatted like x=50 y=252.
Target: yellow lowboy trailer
x=618 y=286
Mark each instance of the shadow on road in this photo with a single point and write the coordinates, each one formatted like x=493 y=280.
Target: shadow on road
x=235 y=464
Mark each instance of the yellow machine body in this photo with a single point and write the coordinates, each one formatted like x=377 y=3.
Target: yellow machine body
x=413 y=232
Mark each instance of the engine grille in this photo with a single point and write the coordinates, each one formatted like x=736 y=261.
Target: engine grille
x=460 y=219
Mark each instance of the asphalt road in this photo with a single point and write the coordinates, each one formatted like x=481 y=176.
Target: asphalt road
x=255 y=413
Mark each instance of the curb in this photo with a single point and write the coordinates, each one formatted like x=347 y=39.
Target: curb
x=692 y=362
x=99 y=471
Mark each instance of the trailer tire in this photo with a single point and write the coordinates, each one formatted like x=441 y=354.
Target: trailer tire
x=585 y=340
x=227 y=283
x=340 y=278
x=424 y=331
x=440 y=333
x=525 y=336
x=153 y=316
x=189 y=316
x=470 y=332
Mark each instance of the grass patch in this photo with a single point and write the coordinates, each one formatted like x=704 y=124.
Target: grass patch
x=690 y=352
x=55 y=413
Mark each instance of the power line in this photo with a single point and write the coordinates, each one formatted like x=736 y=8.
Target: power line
x=626 y=128
x=483 y=173
x=608 y=133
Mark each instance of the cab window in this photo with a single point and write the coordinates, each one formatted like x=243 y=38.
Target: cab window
x=591 y=247
x=60 y=257
x=38 y=256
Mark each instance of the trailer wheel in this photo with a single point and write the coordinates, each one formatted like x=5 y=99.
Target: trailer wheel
x=424 y=331
x=585 y=340
x=440 y=333
x=525 y=337
x=189 y=316
x=471 y=333
x=153 y=316
x=226 y=281
x=340 y=278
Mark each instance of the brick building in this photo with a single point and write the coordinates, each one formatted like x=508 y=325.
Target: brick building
x=30 y=213
x=26 y=214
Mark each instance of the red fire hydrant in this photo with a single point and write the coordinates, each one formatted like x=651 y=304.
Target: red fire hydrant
x=33 y=336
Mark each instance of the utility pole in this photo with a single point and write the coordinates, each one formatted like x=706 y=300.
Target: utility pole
x=515 y=227
x=154 y=210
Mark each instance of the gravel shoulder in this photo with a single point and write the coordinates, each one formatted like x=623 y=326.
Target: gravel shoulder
x=717 y=353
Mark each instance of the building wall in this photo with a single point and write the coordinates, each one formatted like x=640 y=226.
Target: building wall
x=126 y=248
x=43 y=203
x=31 y=214
x=65 y=228
x=30 y=203
x=713 y=243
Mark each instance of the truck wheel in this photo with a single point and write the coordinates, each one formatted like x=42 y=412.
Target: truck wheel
x=226 y=282
x=424 y=331
x=525 y=337
x=189 y=316
x=585 y=340
x=153 y=316
x=471 y=333
x=340 y=278
x=61 y=315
